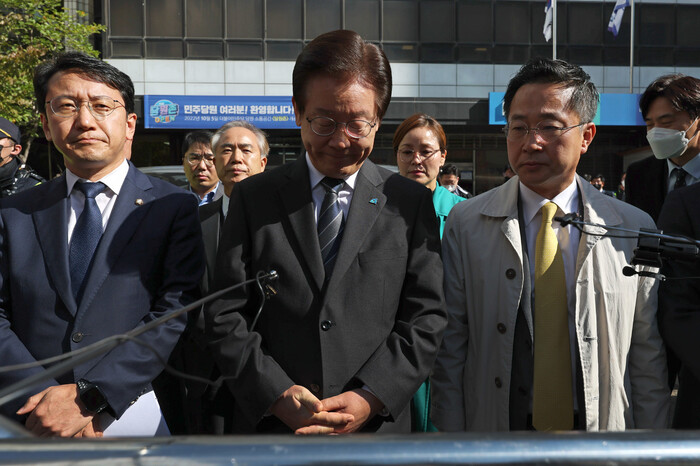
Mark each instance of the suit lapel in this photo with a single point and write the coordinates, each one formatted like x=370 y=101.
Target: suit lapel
x=127 y=214
x=295 y=196
x=51 y=223
x=367 y=203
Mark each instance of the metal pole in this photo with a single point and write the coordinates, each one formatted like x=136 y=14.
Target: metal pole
x=632 y=47
x=554 y=29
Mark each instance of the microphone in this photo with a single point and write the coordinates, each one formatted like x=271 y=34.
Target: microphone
x=628 y=271
x=567 y=218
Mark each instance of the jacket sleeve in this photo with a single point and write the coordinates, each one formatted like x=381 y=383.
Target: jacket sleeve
x=447 y=405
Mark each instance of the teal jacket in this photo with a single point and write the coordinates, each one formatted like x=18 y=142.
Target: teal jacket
x=443 y=200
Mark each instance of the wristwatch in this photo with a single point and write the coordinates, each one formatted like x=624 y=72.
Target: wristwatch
x=92 y=396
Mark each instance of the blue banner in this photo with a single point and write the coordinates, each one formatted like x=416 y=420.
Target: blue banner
x=211 y=112
x=613 y=110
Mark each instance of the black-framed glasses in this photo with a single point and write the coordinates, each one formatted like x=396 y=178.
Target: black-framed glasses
x=355 y=129
x=547 y=131
x=100 y=106
x=195 y=159
x=407 y=155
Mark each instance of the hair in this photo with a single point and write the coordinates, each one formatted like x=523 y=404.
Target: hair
x=584 y=98
x=88 y=67
x=682 y=91
x=450 y=169
x=196 y=137
x=344 y=55
x=263 y=145
x=420 y=120
x=602 y=178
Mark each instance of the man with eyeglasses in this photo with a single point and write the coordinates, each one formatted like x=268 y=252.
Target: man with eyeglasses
x=354 y=321
x=14 y=175
x=198 y=163
x=89 y=255
x=544 y=331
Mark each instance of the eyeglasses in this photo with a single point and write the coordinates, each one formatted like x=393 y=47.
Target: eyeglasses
x=355 y=129
x=407 y=155
x=100 y=106
x=195 y=159
x=547 y=132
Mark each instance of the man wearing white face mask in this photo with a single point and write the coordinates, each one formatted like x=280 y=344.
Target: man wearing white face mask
x=670 y=107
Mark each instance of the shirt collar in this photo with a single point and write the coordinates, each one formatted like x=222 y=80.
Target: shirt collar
x=567 y=201
x=113 y=180
x=692 y=167
x=316 y=176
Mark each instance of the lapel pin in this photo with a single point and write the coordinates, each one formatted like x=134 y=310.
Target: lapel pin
x=138 y=202
x=373 y=201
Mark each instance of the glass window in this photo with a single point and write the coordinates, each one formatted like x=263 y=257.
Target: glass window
x=437 y=53
x=687 y=56
x=126 y=19
x=283 y=50
x=322 y=16
x=244 y=50
x=512 y=23
x=586 y=23
x=126 y=49
x=362 y=16
x=586 y=55
x=656 y=24
x=512 y=54
x=204 y=18
x=401 y=20
x=617 y=55
x=474 y=21
x=203 y=49
x=474 y=53
x=401 y=52
x=437 y=21
x=164 y=48
x=688 y=30
x=244 y=19
x=164 y=18
x=284 y=19
x=654 y=56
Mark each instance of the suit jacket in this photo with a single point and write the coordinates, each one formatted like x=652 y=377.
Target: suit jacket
x=377 y=321
x=211 y=219
x=620 y=351
x=679 y=311
x=646 y=185
x=148 y=263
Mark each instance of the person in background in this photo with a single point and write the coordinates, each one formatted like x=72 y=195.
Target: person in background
x=598 y=183
x=620 y=194
x=14 y=175
x=420 y=146
x=670 y=107
x=544 y=331
x=198 y=163
x=449 y=179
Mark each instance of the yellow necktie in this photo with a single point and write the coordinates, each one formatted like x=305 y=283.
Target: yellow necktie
x=552 y=403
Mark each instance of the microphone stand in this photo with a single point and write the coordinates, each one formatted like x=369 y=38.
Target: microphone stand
x=16 y=389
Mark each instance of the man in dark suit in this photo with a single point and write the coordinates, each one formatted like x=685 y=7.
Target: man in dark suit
x=56 y=295
x=240 y=150
x=355 y=325
x=670 y=107
x=679 y=312
x=198 y=163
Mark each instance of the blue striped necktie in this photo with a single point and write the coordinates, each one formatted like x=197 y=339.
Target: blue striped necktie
x=86 y=236
x=330 y=223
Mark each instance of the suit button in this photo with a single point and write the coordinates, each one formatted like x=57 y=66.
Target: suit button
x=498 y=382
x=326 y=325
x=315 y=388
x=510 y=274
x=77 y=337
x=501 y=327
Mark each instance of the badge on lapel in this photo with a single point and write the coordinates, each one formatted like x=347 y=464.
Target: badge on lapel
x=373 y=201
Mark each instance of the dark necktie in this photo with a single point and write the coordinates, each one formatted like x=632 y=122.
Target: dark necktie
x=330 y=224
x=680 y=178
x=86 y=236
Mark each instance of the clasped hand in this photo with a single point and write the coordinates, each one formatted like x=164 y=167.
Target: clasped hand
x=299 y=409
